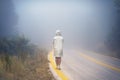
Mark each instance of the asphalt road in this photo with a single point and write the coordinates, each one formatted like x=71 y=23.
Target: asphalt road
x=86 y=65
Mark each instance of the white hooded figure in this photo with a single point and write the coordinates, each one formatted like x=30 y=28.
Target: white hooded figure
x=58 y=44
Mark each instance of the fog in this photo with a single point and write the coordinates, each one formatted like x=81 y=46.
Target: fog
x=83 y=23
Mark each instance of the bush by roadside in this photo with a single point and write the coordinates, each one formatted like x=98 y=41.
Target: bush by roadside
x=28 y=63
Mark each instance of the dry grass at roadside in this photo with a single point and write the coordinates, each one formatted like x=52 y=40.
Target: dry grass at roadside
x=34 y=67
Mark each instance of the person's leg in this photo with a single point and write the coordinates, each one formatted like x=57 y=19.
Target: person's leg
x=57 y=62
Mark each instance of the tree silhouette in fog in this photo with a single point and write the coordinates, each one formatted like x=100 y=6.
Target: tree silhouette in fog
x=114 y=36
x=8 y=18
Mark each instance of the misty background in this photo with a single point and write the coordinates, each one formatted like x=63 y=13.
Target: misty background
x=85 y=24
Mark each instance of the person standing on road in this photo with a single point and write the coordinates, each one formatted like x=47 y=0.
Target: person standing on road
x=58 y=48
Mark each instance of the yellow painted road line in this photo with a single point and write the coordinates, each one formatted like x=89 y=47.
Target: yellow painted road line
x=59 y=72
x=100 y=63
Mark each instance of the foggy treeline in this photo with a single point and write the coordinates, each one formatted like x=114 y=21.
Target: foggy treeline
x=113 y=39
x=8 y=19
x=11 y=42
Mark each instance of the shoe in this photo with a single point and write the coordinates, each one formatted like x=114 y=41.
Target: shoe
x=59 y=67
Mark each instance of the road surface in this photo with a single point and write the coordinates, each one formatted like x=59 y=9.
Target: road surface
x=86 y=65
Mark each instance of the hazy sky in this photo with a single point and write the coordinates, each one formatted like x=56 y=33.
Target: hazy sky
x=82 y=22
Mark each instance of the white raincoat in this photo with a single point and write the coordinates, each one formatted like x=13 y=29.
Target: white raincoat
x=58 y=45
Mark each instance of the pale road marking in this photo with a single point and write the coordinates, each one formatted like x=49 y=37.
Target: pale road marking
x=58 y=72
x=99 y=62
